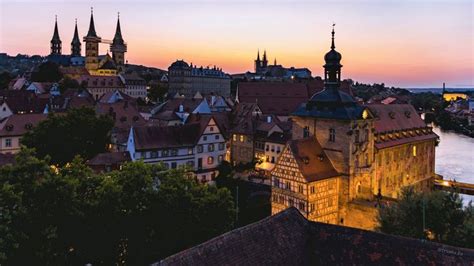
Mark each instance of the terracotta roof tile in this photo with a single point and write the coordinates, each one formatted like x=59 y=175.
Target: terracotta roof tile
x=311 y=159
x=18 y=125
x=287 y=238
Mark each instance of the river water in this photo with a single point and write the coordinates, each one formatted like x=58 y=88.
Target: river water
x=455 y=157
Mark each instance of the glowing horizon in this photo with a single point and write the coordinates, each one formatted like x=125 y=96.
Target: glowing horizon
x=400 y=43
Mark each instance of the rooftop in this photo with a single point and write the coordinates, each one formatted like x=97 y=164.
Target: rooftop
x=287 y=238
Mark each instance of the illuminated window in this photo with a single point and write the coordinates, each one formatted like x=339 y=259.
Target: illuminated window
x=234 y=137
x=190 y=151
x=210 y=160
x=365 y=114
x=241 y=138
x=313 y=190
x=414 y=151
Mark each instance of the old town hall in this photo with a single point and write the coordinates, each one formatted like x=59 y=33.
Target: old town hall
x=343 y=153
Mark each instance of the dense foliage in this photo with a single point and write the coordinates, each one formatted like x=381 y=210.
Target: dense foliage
x=47 y=72
x=62 y=137
x=157 y=92
x=446 y=220
x=5 y=79
x=136 y=216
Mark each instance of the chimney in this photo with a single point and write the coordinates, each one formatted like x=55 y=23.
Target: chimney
x=181 y=108
x=269 y=119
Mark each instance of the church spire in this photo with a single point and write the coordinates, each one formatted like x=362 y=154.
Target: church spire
x=91 y=32
x=332 y=42
x=264 y=60
x=118 y=32
x=56 y=41
x=76 y=43
x=118 y=46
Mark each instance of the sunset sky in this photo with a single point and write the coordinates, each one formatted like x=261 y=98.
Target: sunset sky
x=402 y=43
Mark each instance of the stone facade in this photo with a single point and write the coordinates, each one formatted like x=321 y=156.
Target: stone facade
x=188 y=80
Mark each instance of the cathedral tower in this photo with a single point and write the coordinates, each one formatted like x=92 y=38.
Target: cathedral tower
x=264 y=60
x=56 y=41
x=258 y=63
x=76 y=43
x=118 y=46
x=92 y=46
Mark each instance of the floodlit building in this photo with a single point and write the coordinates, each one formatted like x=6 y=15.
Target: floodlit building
x=343 y=152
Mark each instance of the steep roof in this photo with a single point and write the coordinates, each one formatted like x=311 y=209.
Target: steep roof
x=287 y=238
x=22 y=101
x=311 y=159
x=389 y=117
x=400 y=123
x=155 y=137
x=279 y=98
x=124 y=113
x=102 y=81
x=18 y=125
x=109 y=158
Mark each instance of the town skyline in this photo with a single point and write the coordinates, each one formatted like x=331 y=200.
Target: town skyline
x=205 y=34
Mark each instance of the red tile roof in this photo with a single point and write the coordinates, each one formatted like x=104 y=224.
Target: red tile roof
x=18 y=125
x=311 y=159
x=152 y=137
x=102 y=81
x=23 y=101
x=391 y=117
x=288 y=238
x=124 y=113
x=281 y=98
x=109 y=158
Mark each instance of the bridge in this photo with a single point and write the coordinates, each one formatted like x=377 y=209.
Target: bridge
x=459 y=187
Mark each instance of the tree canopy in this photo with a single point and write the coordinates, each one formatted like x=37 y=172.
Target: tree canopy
x=62 y=137
x=446 y=220
x=47 y=72
x=70 y=215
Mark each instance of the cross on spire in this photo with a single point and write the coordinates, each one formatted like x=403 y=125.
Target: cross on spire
x=332 y=43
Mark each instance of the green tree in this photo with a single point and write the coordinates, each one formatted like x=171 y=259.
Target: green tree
x=5 y=79
x=68 y=83
x=157 y=92
x=446 y=220
x=47 y=72
x=62 y=137
x=71 y=216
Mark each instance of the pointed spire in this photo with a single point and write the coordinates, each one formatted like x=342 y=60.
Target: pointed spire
x=76 y=43
x=258 y=55
x=275 y=62
x=76 y=39
x=91 y=32
x=56 y=32
x=332 y=43
x=118 y=32
x=264 y=55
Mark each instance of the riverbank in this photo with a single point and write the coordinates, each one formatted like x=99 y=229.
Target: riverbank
x=455 y=157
